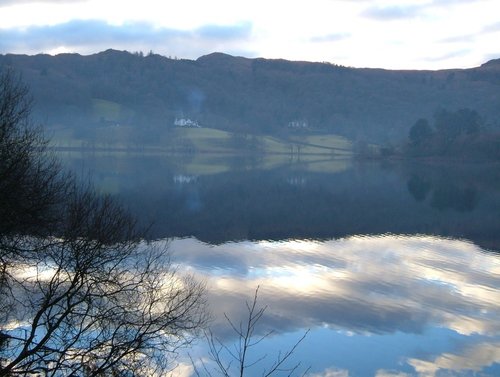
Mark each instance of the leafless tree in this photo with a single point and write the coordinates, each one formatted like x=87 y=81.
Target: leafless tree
x=31 y=180
x=236 y=359
x=82 y=294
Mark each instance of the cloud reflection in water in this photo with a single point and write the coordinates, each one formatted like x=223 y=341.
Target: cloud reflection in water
x=378 y=285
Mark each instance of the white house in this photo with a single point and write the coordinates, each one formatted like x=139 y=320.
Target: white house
x=183 y=122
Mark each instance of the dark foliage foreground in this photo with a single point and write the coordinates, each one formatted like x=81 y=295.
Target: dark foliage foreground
x=80 y=293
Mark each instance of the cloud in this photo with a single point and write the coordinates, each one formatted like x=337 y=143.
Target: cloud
x=449 y=55
x=460 y=39
x=4 y=3
x=182 y=369
x=335 y=37
x=330 y=372
x=390 y=373
x=390 y=13
x=365 y=285
x=239 y=31
x=409 y=11
x=492 y=56
x=474 y=358
x=91 y=35
x=368 y=286
x=492 y=28
x=445 y=3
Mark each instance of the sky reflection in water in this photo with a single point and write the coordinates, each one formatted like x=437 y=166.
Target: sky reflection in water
x=376 y=306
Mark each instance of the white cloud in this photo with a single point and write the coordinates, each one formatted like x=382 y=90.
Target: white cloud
x=474 y=358
x=394 y=12
x=390 y=373
x=139 y=36
x=182 y=369
x=359 y=284
x=330 y=372
x=351 y=33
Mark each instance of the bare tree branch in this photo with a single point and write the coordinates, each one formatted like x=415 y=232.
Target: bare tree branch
x=83 y=294
x=223 y=355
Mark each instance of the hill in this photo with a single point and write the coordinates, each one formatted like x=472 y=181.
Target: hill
x=145 y=94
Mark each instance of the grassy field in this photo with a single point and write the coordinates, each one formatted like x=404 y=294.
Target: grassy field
x=273 y=149
x=209 y=140
x=203 y=140
x=106 y=109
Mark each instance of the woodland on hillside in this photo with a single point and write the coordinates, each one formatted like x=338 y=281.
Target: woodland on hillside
x=146 y=93
x=456 y=134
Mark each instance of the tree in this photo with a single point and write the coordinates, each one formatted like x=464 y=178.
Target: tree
x=453 y=124
x=31 y=181
x=236 y=360
x=420 y=132
x=81 y=292
x=470 y=121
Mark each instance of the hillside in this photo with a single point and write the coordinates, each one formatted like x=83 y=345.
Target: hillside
x=145 y=94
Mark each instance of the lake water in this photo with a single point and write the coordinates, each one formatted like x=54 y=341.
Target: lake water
x=394 y=268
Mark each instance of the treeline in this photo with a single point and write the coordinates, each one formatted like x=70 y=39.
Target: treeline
x=458 y=134
x=146 y=93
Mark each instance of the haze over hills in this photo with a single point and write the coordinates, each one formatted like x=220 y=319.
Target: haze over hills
x=147 y=93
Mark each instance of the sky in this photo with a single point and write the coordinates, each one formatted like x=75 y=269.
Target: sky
x=410 y=34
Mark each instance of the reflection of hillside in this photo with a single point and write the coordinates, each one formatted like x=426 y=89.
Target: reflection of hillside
x=445 y=195
x=366 y=200
x=463 y=191
x=294 y=201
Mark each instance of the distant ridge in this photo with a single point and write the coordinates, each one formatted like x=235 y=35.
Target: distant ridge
x=214 y=56
x=238 y=94
x=492 y=63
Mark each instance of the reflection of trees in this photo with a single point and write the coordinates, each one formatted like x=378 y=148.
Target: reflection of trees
x=445 y=193
x=418 y=187
x=453 y=197
x=262 y=204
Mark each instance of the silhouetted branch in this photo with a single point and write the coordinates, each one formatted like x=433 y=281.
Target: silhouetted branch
x=223 y=356
x=81 y=293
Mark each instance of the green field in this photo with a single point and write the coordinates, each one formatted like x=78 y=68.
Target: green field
x=207 y=141
x=103 y=109
x=202 y=140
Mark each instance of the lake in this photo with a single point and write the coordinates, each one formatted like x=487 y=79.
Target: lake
x=393 y=267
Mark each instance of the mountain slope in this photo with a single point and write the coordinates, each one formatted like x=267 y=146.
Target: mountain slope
x=247 y=95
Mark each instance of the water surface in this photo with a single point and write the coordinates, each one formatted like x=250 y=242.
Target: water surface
x=420 y=305
x=394 y=267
